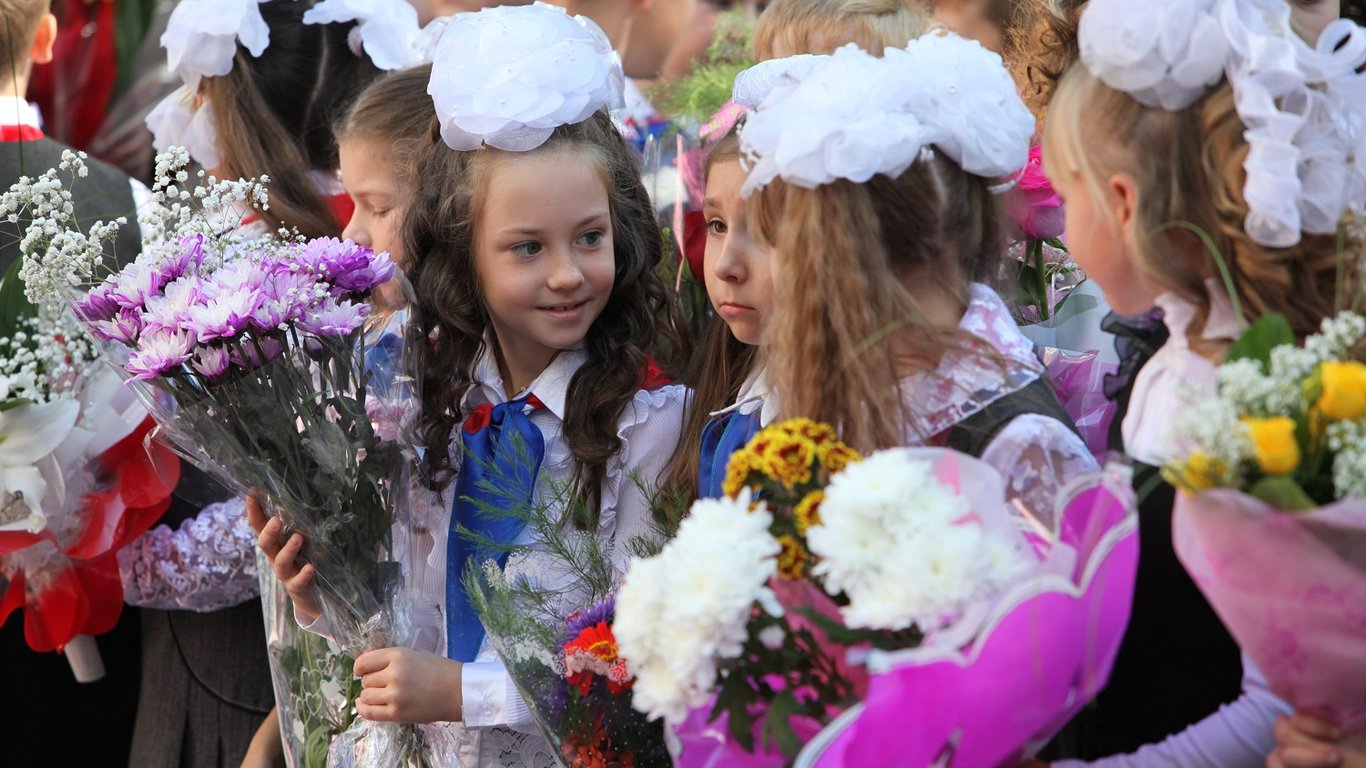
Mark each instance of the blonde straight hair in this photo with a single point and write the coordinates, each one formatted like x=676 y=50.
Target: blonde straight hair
x=790 y=27
x=1188 y=169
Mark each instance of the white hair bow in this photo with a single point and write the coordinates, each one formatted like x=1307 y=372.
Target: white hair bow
x=201 y=36
x=387 y=30
x=852 y=115
x=1304 y=108
x=507 y=76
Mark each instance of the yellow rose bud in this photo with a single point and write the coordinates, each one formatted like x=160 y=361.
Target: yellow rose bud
x=1274 y=444
x=1198 y=473
x=1344 y=390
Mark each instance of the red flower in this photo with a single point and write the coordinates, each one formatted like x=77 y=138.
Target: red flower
x=594 y=652
x=695 y=242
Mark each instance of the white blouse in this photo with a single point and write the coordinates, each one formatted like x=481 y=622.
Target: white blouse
x=498 y=728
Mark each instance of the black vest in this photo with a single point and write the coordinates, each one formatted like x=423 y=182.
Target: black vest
x=104 y=194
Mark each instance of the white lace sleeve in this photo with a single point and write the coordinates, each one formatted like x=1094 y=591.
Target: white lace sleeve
x=208 y=564
x=1038 y=456
x=649 y=431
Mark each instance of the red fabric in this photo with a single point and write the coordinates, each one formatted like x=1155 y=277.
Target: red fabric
x=10 y=133
x=135 y=489
x=482 y=414
x=341 y=206
x=654 y=377
x=695 y=242
x=73 y=90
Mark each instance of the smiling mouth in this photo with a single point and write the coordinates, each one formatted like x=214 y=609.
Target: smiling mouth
x=564 y=307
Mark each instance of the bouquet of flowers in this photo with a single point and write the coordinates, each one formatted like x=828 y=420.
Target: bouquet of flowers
x=816 y=557
x=256 y=359
x=78 y=480
x=554 y=627
x=1271 y=518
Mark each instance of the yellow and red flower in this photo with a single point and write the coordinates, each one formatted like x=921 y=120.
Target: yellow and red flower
x=594 y=652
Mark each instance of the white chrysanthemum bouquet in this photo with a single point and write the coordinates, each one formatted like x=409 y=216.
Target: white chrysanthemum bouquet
x=258 y=356
x=756 y=603
x=1271 y=519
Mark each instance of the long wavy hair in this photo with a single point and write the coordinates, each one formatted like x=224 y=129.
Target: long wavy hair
x=1188 y=168
x=842 y=315
x=274 y=113
x=638 y=325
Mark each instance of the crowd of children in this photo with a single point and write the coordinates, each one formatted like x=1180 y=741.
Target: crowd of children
x=857 y=264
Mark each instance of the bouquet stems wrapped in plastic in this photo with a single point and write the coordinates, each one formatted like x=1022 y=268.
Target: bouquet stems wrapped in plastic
x=262 y=363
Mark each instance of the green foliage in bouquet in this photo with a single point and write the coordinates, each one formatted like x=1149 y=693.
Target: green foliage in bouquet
x=553 y=627
x=707 y=86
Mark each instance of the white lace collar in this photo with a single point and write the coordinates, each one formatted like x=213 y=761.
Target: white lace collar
x=967 y=381
x=551 y=387
x=755 y=395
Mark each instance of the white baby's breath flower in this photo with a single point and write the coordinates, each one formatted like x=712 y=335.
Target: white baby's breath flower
x=685 y=610
x=900 y=545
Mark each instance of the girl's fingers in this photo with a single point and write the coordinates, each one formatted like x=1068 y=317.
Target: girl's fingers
x=300 y=582
x=256 y=516
x=1315 y=728
x=371 y=661
x=1310 y=757
x=375 y=679
x=268 y=538
x=374 y=713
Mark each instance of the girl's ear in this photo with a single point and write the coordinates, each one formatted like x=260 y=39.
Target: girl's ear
x=1122 y=199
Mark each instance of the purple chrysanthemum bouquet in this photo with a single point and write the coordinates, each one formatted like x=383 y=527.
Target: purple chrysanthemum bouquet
x=264 y=362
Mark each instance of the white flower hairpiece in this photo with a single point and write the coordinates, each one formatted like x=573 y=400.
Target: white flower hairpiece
x=852 y=115
x=387 y=30
x=507 y=76
x=1304 y=108
x=201 y=36
x=754 y=85
x=176 y=121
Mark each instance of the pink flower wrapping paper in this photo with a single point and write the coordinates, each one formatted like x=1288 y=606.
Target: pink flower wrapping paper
x=1291 y=588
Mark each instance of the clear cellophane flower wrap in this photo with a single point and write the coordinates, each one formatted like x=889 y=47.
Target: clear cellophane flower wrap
x=276 y=364
x=1000 y=683
x=1291 y=588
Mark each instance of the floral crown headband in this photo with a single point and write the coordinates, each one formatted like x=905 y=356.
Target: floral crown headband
x=851 y=115
x=508 y=76
x=201 y=40
x=1304 y=108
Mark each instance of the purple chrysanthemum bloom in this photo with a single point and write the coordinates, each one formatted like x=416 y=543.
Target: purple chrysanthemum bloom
x=376 y=272
x=98 y=303
x=171 y=307
x=255 y=353
x=124 y=327
x=328 y=258
x=223 y=317
x=159 y=352
x=241 y=276
x=210 y=361
x=333 y=318
x=295 y=292
x=581 y=620
x=135 y=283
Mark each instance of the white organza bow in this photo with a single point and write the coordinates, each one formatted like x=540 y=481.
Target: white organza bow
x=175 y=121
x=201 y=36
x=507 y=76
x=387 y=30
x=852 y=115
x=1304 y=108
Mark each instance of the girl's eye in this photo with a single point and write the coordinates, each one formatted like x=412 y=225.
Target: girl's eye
x=526 y=250
x=591 y=238
x=716 y=227
x=382 y=212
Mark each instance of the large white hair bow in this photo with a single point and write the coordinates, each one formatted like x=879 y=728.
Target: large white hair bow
x=176 y=121
x=1304 y=108
x=387 y=30
x=201 y=36
x=507 y=76
x=852 y=115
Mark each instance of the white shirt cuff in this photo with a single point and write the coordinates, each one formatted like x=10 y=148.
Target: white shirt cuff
x=490 y=699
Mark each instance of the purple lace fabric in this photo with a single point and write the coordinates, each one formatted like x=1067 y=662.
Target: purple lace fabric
x=209 y=563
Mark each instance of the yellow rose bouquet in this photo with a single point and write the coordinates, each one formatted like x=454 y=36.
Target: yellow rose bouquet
x=1271 y=518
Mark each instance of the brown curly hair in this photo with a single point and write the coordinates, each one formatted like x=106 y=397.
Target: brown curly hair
x=1188 y=168
x=1042 y=46
x=637 y=325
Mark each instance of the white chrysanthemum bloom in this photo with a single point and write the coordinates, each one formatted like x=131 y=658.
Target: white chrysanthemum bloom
x=903 y=547
x=508 y=76
x=685 y=610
